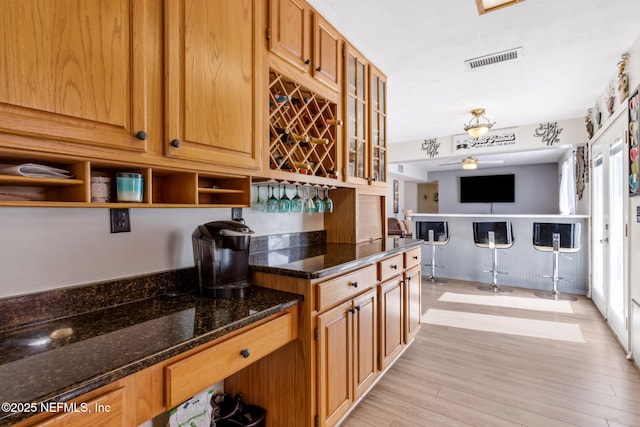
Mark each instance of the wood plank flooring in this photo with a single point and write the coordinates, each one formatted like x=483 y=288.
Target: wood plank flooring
x=452 y=376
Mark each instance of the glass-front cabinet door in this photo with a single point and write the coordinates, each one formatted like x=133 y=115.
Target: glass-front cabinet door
x=356 y=118
x=378 y=105
x=366 y=119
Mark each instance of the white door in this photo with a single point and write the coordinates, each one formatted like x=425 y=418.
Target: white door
x=609 y=285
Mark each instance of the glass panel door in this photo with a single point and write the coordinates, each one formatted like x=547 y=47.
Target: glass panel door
x=609 y=284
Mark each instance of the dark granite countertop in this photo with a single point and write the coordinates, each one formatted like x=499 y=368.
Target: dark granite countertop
x=58 y=360
x=325 y=259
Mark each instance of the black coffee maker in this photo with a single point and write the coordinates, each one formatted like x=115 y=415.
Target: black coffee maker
x=221 y=256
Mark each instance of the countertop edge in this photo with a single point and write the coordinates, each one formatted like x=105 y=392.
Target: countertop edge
x=339 y=268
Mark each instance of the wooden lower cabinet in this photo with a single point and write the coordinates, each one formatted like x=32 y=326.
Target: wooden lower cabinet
x=391 y=294
x=347 y=353
x=348 y=336
x=412 y=302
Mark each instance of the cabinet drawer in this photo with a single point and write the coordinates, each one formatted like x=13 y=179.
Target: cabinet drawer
x=390 y=267
x=104 y=410
x=344 y=287
x=412 y=257
x=190 y=375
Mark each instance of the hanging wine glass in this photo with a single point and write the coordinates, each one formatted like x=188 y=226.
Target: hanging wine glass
x=258 y=204
x=307 y=203
x=328 y=203
x=319 y=206
x=272 y=203
x=296 y=203
x=284 y=204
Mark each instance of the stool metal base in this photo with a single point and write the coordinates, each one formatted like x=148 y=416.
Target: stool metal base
x=494 y=288
x=555 y=295
x=435 y=280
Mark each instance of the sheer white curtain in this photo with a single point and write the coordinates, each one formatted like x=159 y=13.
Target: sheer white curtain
x=567 y=193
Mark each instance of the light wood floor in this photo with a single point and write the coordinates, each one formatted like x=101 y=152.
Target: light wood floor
x=453 y=376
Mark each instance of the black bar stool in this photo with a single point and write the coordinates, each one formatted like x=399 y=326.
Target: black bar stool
x=493 y=235
x=558 y=239
x=434 y=233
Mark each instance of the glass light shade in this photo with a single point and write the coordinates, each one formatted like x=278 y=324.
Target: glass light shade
x=469 y=166
x=477 y=131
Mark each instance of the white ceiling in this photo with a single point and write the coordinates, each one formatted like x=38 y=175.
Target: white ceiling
x=570 y=51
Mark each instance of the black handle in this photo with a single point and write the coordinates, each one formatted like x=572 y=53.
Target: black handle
x=354 y=284
x=175 y=143
x=245 y=353
x=394 y=266
x=357 y=308
x=415 y=257
x=319 y=69
x=352 y=311
x=308 y=61
x=141 y=135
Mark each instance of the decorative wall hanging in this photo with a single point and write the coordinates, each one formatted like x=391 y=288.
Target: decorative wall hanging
x=430 y=147
x=623 y=79
x=634 y=137
x=499 y=138
x=581 y=170
x=548 y=132
x=589 y=123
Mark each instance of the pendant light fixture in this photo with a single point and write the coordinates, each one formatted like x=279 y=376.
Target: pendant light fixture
x=475 y=128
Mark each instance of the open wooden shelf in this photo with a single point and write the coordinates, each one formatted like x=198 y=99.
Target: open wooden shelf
x=163 y=187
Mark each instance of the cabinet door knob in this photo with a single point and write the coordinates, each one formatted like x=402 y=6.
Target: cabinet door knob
x=352 y=311
x=307 y=62
x=354 y=284
x=319 y=69
x=141 y=135
x=175 y=143
x=357 y=308
x=415 y=257
x=394 y=266
x=245 y=353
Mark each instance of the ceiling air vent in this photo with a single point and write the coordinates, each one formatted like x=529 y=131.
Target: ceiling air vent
x=493 y=58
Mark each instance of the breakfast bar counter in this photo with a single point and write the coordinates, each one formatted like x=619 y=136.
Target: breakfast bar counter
x=524 y=265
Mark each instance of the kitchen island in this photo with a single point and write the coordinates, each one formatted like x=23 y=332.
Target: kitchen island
x=525 y=265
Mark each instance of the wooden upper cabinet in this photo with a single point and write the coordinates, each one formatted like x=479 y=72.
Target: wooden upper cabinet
x=213 y=82
x=378 y=125
x=289 y=32
x=356 y=98
x=365 y=103
x=305 y=40
x=74 y=71
x=327 y=53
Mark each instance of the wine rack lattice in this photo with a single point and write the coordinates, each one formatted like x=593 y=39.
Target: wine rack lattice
x=302 y=129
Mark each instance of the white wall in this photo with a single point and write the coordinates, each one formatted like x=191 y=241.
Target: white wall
x=47 y=248
x=536 y=190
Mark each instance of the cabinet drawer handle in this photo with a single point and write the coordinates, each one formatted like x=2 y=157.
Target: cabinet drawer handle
x=352 y=311
x=415 y=257
x=354 y=284
x=307 y=62
x=319 y=69
x=394 y=266
x=357 y=307
x=141 y=135
x=245 y=353
x=175 y=143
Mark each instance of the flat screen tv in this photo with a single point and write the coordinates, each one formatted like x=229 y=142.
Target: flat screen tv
x=487 y=189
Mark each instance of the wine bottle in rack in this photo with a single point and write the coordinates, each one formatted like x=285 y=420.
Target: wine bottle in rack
x=302 y=140
x=336 y=122
x=284 y=134
x=322 y=141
